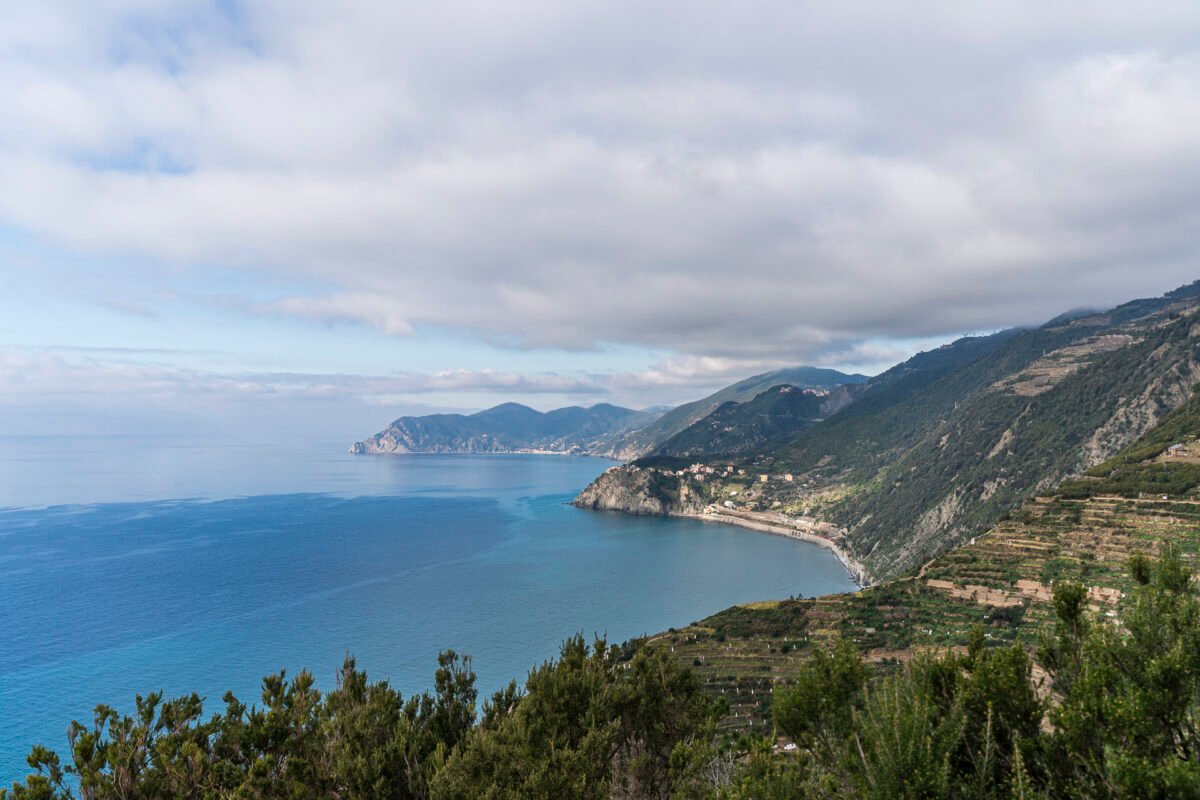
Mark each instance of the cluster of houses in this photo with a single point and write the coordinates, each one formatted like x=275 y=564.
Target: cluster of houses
x=700 y=471
x=697 y=471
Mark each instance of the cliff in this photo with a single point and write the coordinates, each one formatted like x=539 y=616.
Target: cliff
x=640 y=491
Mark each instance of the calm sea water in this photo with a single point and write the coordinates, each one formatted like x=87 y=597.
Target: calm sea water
x=131 y=565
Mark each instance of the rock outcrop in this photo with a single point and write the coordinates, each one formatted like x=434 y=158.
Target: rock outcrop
x=638 y=491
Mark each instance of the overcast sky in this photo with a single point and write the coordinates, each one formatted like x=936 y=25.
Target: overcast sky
x=291 y=211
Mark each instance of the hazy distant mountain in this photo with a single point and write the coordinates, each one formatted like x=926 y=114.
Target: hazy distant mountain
x=510 y=428
x=602 y=429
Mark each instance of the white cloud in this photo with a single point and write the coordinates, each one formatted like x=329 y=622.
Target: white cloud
x=60 y=372
x=749 y=184
x=143 y=377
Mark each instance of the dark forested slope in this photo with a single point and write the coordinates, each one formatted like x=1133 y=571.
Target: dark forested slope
x=647 y=439
x=772 y=417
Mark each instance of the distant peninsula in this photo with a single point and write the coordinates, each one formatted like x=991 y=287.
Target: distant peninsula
x=600 y=430
x=511 y=428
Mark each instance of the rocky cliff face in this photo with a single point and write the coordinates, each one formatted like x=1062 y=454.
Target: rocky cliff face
x=839 y=398
x=639 y=491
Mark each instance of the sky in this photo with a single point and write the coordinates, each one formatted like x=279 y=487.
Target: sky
x=281 y=216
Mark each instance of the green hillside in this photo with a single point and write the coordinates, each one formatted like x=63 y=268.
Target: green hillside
x=509 y=427
x=770 y=418
x=936 y=450
x=1001 y=581
x=945 y=464
x=647 y=439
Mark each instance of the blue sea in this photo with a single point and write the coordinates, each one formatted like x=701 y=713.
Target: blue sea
x=132 y=565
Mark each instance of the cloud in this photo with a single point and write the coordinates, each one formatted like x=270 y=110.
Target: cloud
x=377 y=310
x=60 y=372
x=739 y=185
x=55 y=375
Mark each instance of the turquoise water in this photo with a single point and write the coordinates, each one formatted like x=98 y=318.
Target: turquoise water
x=130 y=566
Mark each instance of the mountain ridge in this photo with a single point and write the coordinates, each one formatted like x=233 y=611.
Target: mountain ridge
x=508 y=428
x=732 y=427
x=602 y=429
x=935 y=450
x=678 y=419
x=998 y=585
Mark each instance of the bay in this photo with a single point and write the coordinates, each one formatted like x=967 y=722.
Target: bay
x=134 y=565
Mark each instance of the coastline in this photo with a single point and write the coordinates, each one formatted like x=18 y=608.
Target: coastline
x=356 y=450
x=631 y=490
x=857 y=572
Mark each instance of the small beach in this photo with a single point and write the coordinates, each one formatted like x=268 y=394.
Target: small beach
x=755 y=521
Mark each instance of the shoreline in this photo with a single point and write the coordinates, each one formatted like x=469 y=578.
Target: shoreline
x=355 y=450
x=857 y=572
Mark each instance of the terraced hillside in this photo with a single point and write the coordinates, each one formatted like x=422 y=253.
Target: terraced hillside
x=1022 y=432
x=1001 y=580
x=937 y=450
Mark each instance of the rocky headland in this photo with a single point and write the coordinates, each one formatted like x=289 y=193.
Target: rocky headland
x=689 y=493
